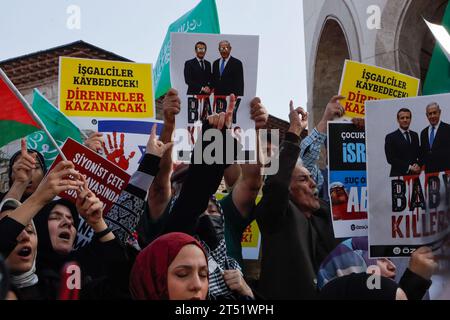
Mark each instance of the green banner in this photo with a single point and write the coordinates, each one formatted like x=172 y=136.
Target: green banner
x=202 y=19
x=438 y=76
x=59 y=126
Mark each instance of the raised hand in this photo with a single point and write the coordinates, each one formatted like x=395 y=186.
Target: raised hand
x=171 y=107
x=23 y=168
x=298 y=119
x=223 y=119
x=422 y=263
x=62 y=178
x=156 y=147
x=90 y=207
x=95 y=141
x=235 y=281
x=258 y=113
x=333 y=110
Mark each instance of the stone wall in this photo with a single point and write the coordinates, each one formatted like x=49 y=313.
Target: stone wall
x=332 y=27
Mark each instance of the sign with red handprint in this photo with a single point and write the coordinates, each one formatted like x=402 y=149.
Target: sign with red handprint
x=115 y=153
x=104 y=178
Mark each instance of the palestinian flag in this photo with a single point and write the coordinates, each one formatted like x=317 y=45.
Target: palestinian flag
x=438 y=77
x=15 y=121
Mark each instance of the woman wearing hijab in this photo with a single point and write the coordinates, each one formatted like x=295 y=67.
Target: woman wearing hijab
x=25 y=171
x=172 y=267
x=16 y=231
x=21 y=261
x=196 y=212
x=352 y=257
x=104 y=259
x=354 y=287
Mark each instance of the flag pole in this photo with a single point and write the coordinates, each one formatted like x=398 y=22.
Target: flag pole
x=85 y=136
x=31 y=112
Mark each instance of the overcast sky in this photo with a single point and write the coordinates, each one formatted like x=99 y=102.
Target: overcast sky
x=135 y=29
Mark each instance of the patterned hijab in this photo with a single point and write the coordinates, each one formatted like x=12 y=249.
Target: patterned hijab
x=350 y=256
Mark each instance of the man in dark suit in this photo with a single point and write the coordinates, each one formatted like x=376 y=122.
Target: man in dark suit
x=402 y=147
x=197 y=72
x=435 y=142
x=228 y=73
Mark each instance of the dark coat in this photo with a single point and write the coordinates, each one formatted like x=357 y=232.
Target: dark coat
x=293 y=246
x=400 y=154
x=195 y=77
x=232 y=79
x=436 y=159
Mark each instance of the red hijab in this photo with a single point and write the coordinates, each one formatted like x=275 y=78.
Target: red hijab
x=148 y=279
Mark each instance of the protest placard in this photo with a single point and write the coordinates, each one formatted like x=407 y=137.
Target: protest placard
x=347 y=179
x=408 y=161
x=122 y=108
x=102 y=88
x=206 y=69
x=251 y=237
x=104 y=178
x=362 y=82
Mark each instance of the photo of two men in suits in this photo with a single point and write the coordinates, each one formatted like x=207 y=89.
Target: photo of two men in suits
x=226 y=76
x=406 y=154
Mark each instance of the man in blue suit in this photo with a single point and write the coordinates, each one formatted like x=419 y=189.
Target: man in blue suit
x=228 y=73
x=435 y=142
x=402 y=147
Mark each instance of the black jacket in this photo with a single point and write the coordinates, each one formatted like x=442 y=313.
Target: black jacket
x=195 y=77
x=400 y=154
x=293 y=246
x=232 y=79
x=437 y=158
x=104 y=267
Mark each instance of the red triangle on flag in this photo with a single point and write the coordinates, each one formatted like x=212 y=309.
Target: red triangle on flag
x=11 y=108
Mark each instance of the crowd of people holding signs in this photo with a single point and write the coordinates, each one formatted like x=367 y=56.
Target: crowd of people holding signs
x=106 y=222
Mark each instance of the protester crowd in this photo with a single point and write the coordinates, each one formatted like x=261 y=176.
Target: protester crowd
x=187 y=244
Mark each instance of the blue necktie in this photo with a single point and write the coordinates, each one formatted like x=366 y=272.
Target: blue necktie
x=222 y=66
x=432 y=136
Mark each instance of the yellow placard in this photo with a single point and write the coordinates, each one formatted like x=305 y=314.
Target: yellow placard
x=251 y=234
x=362 y=82
x=102 y=88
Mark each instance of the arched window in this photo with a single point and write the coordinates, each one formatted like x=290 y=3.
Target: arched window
x=330 y=58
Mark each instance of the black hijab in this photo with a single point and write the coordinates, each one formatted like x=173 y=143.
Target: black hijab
x=13 y=159
x=15 y=156
x=211 y=229
x=47 y=257
x=4 y=279
x=354 y=287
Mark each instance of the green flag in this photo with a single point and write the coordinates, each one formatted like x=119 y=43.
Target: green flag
x=59 y=126
x=438 y=77
x=202 y=19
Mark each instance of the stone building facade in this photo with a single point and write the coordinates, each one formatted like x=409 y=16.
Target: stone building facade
x=336 y=30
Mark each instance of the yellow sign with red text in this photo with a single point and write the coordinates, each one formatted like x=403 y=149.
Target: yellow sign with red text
x=362 y=82
x=102 y=88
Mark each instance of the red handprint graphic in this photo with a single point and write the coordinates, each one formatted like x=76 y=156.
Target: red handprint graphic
x=116 y=154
